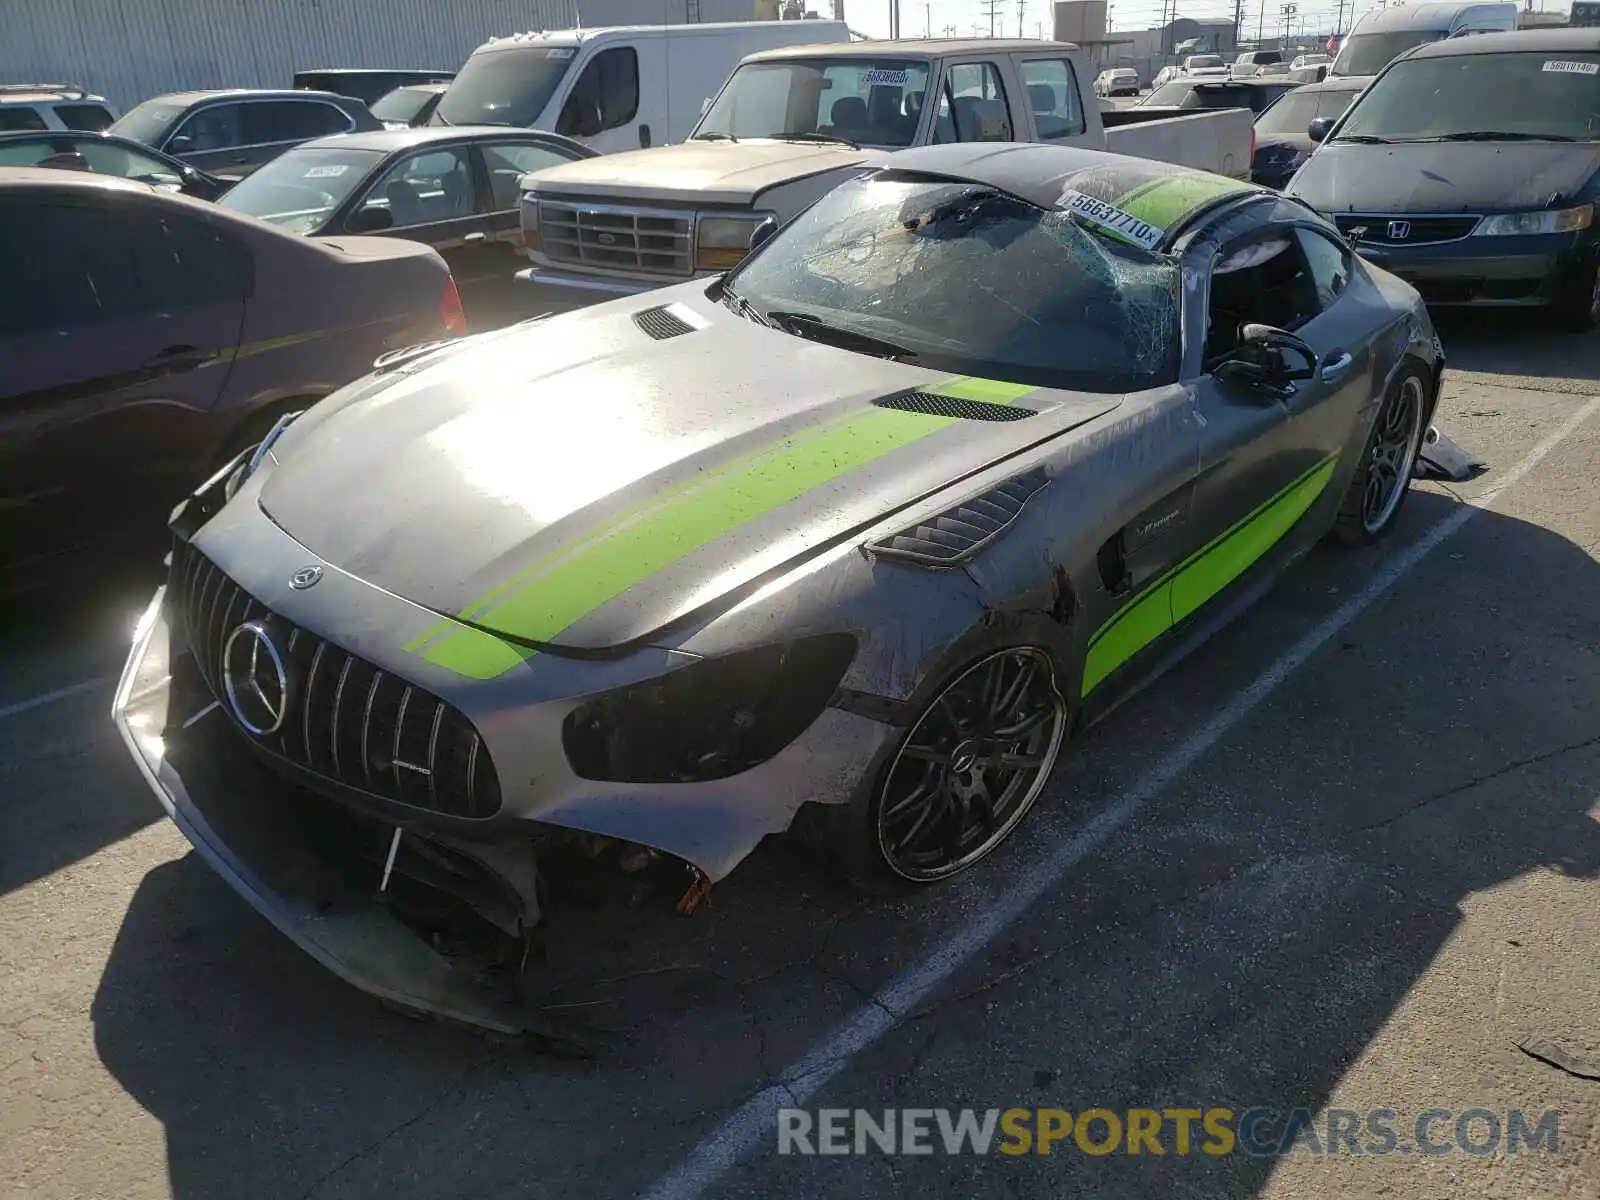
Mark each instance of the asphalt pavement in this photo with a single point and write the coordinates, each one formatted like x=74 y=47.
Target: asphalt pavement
x=1343 y=857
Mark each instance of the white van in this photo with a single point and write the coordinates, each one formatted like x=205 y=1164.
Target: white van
x=1383 y=35
x=616 y=89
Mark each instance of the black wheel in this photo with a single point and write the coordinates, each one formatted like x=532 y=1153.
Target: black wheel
x=1578 y=305
x=1382 y=478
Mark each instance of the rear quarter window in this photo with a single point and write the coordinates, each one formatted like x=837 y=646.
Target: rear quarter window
x=18 y=117
x=91 y=118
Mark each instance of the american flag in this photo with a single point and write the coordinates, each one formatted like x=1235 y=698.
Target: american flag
x=1333 y=44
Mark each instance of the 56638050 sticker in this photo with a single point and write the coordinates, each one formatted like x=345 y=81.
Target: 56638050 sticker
x=1111 y=218
x=883 y=77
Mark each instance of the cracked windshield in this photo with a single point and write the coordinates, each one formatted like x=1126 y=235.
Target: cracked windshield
x=1044 y=299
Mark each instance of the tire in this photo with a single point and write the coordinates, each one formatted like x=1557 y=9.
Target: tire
x=1382 y=478
x=877 y=841
x=1577 y=307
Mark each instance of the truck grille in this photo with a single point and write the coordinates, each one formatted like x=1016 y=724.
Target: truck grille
x=660 y=242
x=342 y=718
x=1401 y=230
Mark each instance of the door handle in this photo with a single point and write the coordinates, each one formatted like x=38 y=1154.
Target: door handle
x=176 y=359
x=1335 y=368
x=472 y=239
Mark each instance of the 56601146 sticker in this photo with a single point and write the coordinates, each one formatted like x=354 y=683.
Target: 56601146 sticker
x=1111 y=218
x=1566 y=67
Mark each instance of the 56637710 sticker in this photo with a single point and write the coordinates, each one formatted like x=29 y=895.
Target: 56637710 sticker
x=1111 y=218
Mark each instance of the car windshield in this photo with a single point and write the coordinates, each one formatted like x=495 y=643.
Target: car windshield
x=1185 y=93
x=298 y=191
x=868 y=101
x=147 y=122
x=1294 y=111
x=505 y=87
x=961 y=277
x=1521 y=96
x=1203 y=61
x=402 y=105
x=1369 y=53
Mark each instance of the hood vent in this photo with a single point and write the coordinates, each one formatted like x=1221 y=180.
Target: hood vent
x=958 y=534
x=952 y=406
x=661 y=323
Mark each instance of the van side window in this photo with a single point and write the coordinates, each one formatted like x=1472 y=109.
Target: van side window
x=1053 y=96
x=606 y=95
x=972 y=106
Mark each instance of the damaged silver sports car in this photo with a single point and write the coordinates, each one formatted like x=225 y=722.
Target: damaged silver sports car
x=844 y=544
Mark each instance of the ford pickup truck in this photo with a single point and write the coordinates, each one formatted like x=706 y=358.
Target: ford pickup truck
x=790 y=124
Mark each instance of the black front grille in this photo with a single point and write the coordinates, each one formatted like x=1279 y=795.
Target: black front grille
x=1401 y=230
x=951 y=406
x=344 y=719
x=661 y=323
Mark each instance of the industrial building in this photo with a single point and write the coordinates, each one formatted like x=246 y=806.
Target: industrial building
x=128 y=50
x=1145 y=50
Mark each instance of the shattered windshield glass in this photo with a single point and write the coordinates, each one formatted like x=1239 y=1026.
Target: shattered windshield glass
x=962 y=277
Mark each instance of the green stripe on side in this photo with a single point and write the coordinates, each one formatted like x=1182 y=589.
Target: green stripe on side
x=1183 y=589
x=560 y=589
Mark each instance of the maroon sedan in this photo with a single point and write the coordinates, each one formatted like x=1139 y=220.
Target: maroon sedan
x=145 y=337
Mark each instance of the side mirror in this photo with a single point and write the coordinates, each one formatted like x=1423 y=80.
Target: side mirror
x=181 y=144
x=1322 y=72
x=762 y=235
x=371 y=220
x=1318 y=129
x=1269 y=360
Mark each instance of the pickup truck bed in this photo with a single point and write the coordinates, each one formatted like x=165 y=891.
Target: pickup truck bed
x=1219 y=140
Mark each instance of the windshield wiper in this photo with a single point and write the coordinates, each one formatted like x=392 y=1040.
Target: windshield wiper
x=713 y=137
x=743 y=307
x=1494 y=135
x=818 y=137
x=814 y=328
x=1365 y=139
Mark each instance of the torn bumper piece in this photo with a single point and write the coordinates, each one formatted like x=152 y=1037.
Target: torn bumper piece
x=262 y=836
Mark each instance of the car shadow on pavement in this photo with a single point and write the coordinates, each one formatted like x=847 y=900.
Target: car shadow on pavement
x=1517 y=342
x=1256 y=964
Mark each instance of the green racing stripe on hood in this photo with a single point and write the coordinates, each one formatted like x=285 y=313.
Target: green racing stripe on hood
x=560 y=589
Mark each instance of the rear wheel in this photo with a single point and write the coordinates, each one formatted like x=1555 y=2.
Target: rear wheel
x=1382 y=478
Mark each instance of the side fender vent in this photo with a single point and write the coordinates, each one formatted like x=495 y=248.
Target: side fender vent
x=953 y=406
x=661 y=323
x=959 y=534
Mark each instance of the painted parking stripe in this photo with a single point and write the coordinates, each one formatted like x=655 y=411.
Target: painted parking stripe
x=755 y=1122
x=75 y=689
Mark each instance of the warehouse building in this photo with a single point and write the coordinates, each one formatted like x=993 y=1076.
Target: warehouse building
x=128 y=50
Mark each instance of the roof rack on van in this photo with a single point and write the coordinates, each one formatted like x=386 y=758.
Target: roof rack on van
x=66 y=89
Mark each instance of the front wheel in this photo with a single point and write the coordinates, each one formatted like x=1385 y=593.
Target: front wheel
x=1577 y=305
x=1382 y=478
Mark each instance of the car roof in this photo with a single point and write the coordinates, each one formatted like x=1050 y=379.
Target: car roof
x=1336 y=83
x=1039 y=174
x=1538 y=41
x=187 y=98
x=387 y=141
x=25 y=177
x=915 y=48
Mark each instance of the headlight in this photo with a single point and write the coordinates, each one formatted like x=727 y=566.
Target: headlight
x=722 y=242
x=712 y=719
x=1554 y=220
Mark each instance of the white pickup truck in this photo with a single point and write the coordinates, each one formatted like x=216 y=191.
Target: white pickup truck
x=790 y=124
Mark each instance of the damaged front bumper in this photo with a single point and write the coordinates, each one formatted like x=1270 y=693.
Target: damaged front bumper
x=231 y=809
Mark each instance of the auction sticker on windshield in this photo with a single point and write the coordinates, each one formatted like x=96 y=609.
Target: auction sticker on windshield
x=879 y=77
x=330 y=171
x=1111 y=219
x=1572 y=68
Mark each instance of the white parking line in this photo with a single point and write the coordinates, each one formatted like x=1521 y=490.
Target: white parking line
x=755 y=1121
x=76 y=689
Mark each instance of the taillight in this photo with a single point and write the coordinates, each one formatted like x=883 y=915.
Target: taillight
x=451 y=314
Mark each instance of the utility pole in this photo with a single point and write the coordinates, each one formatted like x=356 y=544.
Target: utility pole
x=927 y=20
x=1238 y=21
x=1022 y=8
x=991 y=9
x=1338 y=22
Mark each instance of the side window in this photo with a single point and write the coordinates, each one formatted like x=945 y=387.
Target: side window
x=91 y=118
x=508 y=162
x=972 y=106
x=215 y=127
x=430 y=186
x=1263 y=279
x=183 y=263
x=73 y=269
x=113 y=158
x=268 y=121
x=1329 y=265
x=17 y=117
x=1053 y=96
x=606 y=95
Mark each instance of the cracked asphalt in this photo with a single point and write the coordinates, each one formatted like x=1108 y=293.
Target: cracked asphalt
x=1362 y=897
